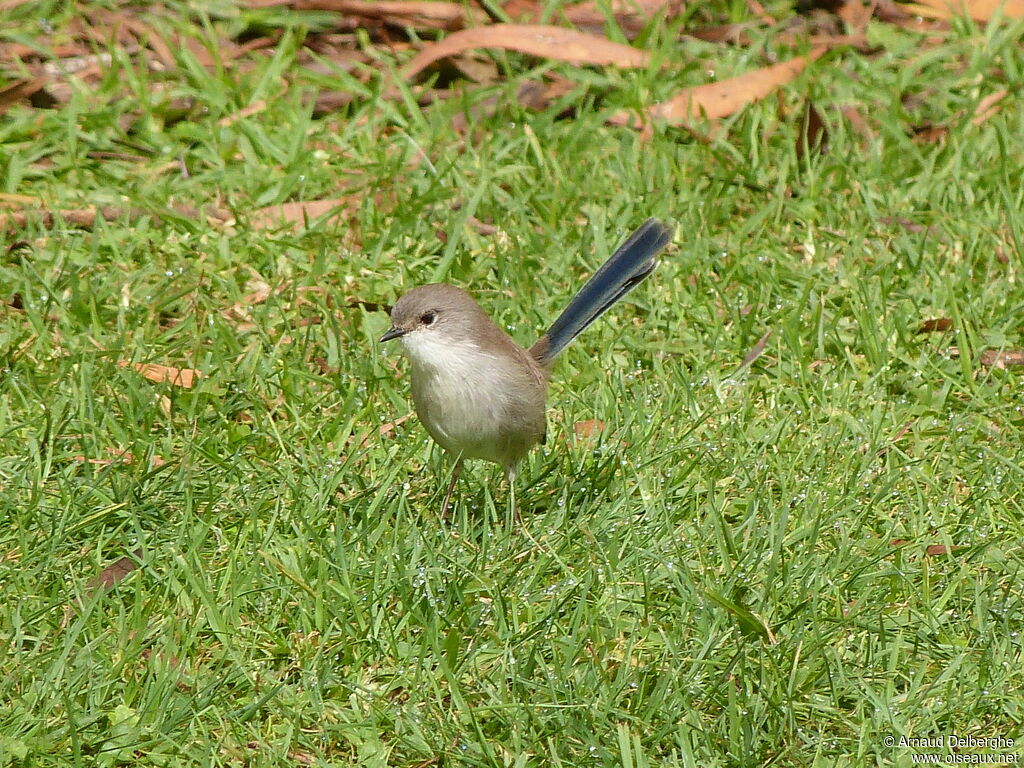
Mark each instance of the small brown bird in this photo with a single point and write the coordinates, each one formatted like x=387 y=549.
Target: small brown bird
x=478 y=393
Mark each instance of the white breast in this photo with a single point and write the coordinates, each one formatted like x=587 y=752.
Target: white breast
x=472 y=402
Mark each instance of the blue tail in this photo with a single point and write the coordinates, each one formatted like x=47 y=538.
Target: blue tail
x=629 y=265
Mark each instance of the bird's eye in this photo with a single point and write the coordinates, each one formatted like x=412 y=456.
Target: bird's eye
x=427 y=318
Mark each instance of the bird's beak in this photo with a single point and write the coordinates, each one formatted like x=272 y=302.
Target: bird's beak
x=393 y=333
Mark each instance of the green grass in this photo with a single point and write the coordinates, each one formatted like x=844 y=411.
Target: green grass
x=711 y=580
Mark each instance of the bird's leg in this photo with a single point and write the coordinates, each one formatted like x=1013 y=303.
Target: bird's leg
x=510 y=474
x=456 y=471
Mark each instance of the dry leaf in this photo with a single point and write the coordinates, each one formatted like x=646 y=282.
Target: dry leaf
x=179 y=377
x=481 y=227
x=238 y=313
x=477 y=68
x=757 y=350
x=725 y=97
x=115 y=573
x=540 y=40
x=929 y=133
x=431 y=14
x=941 y=549
x=530 y=94
x=388 y=429
x=907 y=224
x=857 y=42
x=935 y=324
x=522 y=10
x=813 y=134
x=21 y=89
x=149 y=37
x=297 y=213
x=109 y=577
x=758 y=10
x=124 y=457
x=979 y=10
x=903 y=430
x=327 y=102
x=988 y=107
x=12 y=200
x=725 y=33
x=209 y=55
x=856 y=14
x=892 y=12
x=11 y=51
x=260 y=293
x=895 y=439
x=857 y=121
x=127 y=157
x=85 y=218
x=1002 y=359
x=583 y=429
x=10 y=5
x=255 y=108
x=931 y=550
x=630 y=15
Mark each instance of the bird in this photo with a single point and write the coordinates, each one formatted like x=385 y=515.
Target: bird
x=478 y=393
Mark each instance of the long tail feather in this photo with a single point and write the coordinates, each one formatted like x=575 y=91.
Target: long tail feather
x=627 y=267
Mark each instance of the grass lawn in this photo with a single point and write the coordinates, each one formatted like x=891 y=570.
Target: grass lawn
x=776 y=553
